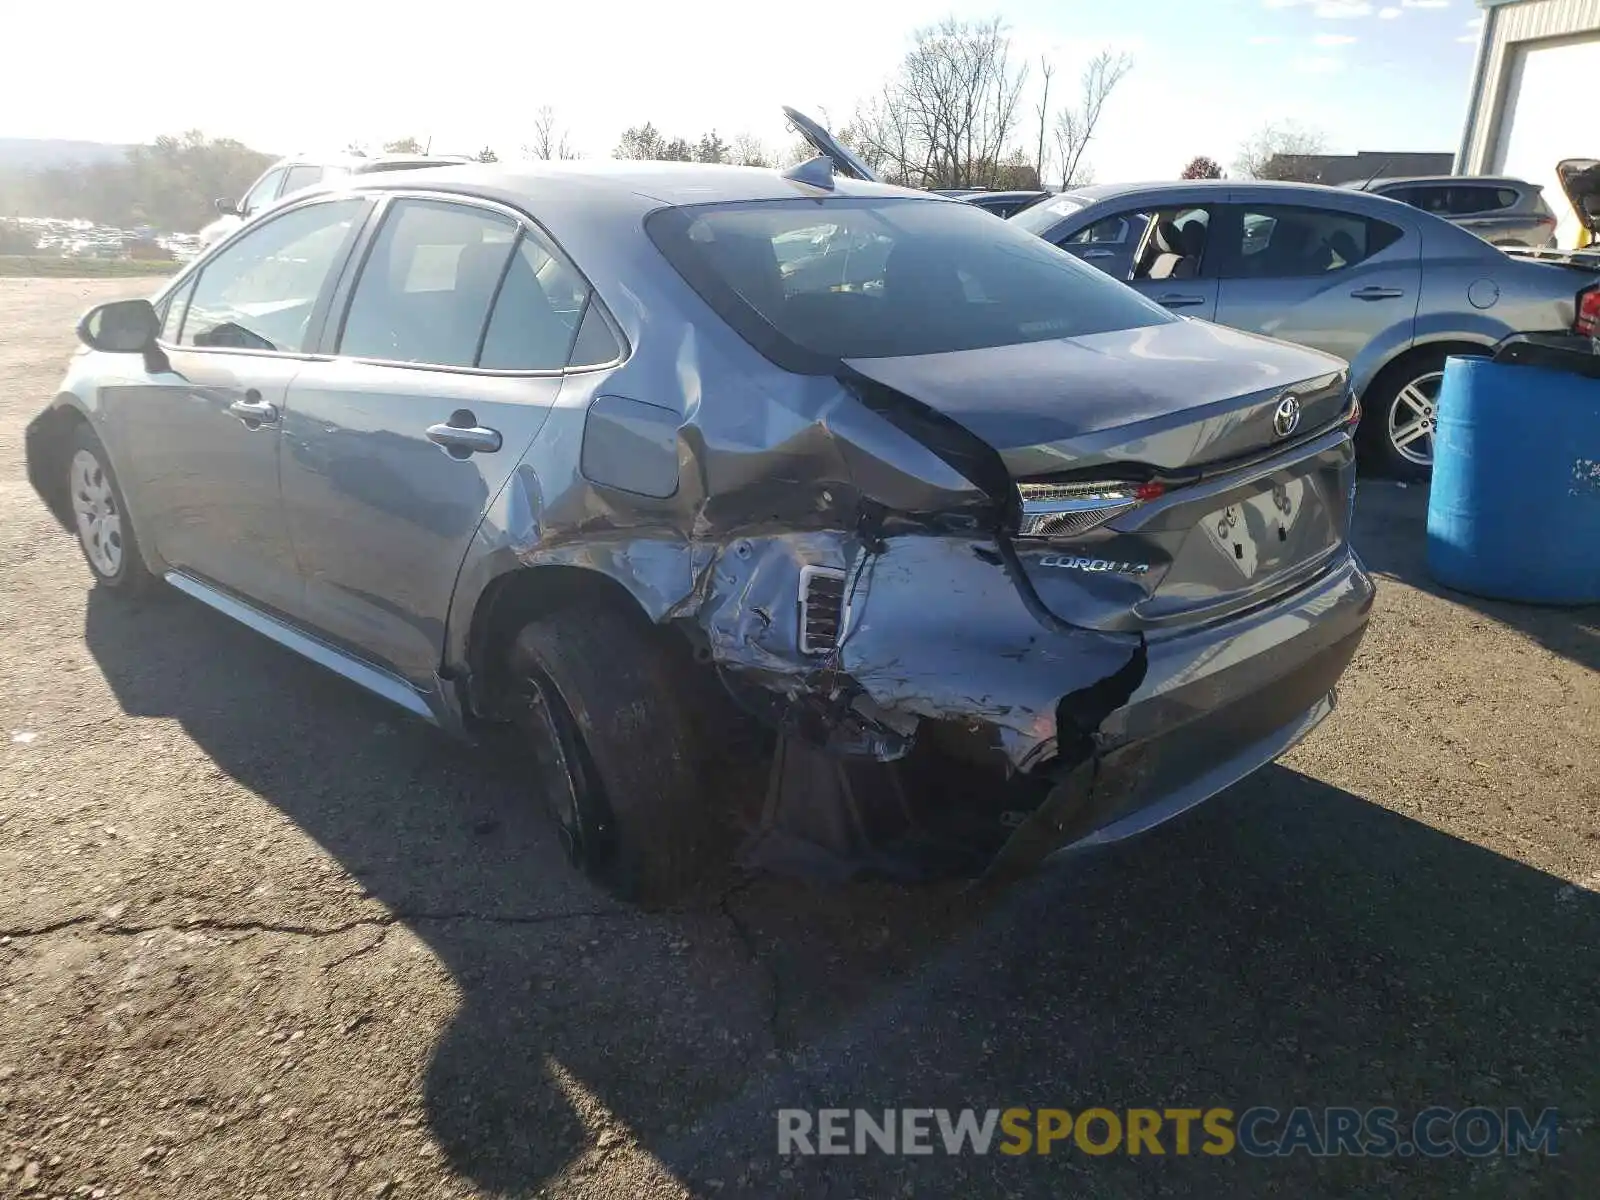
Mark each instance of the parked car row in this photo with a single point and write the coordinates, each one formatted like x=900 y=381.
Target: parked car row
x=573 y=448
x=1389 y=287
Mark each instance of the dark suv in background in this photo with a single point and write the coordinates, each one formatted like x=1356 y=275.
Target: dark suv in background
x=1501 y=210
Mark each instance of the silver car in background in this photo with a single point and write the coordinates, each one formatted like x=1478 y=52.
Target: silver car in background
x=299 y=172
x=1390 y=289
x=1501 y=210
x=585 y=450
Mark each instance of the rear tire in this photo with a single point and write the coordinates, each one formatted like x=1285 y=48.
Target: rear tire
x=1400 y=414
x=599 y=705
x=100 y=517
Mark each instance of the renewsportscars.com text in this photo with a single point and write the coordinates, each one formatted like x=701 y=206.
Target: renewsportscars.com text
x=1259 y=1131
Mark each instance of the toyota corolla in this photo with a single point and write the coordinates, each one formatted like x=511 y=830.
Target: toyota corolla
x=553 y=447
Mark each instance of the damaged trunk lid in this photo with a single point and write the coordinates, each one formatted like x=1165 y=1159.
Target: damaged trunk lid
x=1154 y=476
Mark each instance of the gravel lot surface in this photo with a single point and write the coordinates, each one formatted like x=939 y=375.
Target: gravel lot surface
x=261 y=936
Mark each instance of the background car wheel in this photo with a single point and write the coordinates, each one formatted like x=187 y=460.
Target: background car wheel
x=105 y=535
x=1400 y=414
x=598 y=703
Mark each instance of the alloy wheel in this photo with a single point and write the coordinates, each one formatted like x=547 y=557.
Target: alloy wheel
x=99 y=518
x=1413 y=419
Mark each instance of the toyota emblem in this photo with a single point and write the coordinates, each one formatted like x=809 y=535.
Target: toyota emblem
x=1286 y=417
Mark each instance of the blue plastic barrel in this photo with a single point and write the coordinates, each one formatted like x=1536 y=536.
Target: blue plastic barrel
x=1514 y=510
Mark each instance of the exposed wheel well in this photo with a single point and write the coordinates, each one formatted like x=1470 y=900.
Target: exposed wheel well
x=48 y=438
x=518 y=597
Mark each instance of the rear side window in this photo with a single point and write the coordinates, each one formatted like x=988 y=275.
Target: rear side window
x=453 y=285
x=1279 y=242
x=810 y=283
x=537 y=312
x=425 y=289
x=1466 y=199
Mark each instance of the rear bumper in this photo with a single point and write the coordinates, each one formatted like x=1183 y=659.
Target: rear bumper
x=1215 y=706
x=966 y=667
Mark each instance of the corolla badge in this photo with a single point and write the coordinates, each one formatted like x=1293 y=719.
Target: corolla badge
x=1073 y=562
x=1286 y=417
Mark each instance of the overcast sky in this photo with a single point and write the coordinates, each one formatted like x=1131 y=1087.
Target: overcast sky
x=284 y=75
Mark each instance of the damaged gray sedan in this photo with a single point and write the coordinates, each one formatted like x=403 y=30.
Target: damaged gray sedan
x=1007 y=557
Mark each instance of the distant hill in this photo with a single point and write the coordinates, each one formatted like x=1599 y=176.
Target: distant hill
x=28 y=154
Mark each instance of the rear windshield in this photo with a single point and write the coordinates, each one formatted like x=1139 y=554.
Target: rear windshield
x=808 y=282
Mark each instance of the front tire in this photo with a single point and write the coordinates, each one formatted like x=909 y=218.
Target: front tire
x=599 y=704
x=100 y=517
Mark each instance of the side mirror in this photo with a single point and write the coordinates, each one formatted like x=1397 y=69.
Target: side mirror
x=227 y=207
x=120 y=327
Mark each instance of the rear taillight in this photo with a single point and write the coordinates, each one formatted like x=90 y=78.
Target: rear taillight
x=1061 y=510
x=1588 y=322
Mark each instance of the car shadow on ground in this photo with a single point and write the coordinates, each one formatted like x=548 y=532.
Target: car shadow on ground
x=1290 y=943
x=1391 y=533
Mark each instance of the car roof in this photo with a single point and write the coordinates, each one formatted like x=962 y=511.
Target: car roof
x=1107 y=191
x=651 y=183
x=1009 y=194
x=395 y=162
x=365 y=162
x=1259 y=190
x=1493 y=180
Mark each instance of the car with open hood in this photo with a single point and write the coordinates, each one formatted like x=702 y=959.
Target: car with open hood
x=577 y=451
x=1580 y=182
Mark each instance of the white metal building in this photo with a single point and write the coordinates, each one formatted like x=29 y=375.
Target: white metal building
x=1530 y=105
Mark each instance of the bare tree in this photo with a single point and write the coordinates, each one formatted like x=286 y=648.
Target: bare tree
x=1075 y=124
x=549 y=139
x=405 y=145
x=944 y=119
x=1282 y=151
x=747 y=150
x=1046 y=69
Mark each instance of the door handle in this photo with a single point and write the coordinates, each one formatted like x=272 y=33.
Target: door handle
x=1098 y=254
x=254 y=411
x=1177 y=300
x=462 y=436
x=1378 y=293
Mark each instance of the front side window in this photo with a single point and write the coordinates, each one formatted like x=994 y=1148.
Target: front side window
x=263 y=194
x=1282 y=242
x=259 y=292
x=1173 y=243
x=808 y=282
x=172 y=317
